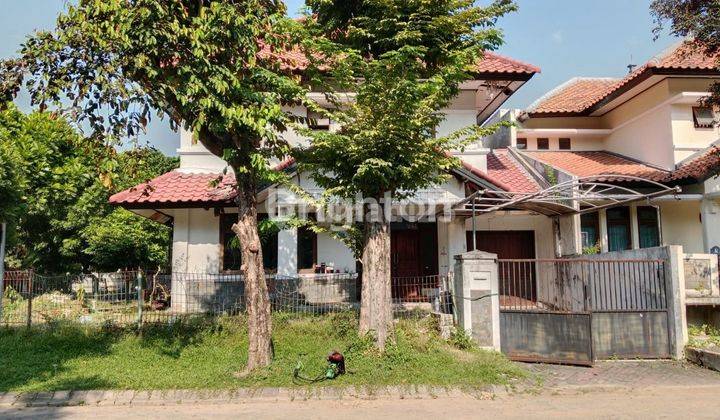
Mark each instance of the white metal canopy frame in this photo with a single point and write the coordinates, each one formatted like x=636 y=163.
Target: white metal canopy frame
x=576 y=196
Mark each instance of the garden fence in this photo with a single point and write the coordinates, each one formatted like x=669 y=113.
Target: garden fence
x=128 y=297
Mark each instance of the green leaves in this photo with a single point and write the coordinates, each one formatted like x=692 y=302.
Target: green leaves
x=210 y=66
x=56 y=190
x=414 y=56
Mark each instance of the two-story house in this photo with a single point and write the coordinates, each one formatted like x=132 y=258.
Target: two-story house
x=201 y=215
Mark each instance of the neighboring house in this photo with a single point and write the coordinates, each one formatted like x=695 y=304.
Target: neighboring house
x=648 y=124
x=202 y=215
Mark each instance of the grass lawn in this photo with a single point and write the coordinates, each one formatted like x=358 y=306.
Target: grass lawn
x=206 y=354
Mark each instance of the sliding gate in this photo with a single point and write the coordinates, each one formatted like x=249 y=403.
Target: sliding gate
x=576 y=311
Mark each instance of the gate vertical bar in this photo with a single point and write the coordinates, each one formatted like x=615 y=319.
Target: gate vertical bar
x=139 y=298
x=30 y=299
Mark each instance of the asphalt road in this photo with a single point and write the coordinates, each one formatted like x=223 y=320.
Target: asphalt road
x=686 y=402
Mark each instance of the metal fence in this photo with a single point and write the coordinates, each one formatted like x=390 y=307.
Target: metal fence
x=145 y=297
x=577 y=285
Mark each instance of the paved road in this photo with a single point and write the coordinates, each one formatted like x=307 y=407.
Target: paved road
x=664 y=402
x=608 y=390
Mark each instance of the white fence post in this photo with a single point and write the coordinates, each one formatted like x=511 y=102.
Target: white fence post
x=675 y=280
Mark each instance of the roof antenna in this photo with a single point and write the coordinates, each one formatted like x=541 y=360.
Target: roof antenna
x=631 y=66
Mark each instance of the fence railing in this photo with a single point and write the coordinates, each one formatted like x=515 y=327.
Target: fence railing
x=144 y=297
x=578 y=285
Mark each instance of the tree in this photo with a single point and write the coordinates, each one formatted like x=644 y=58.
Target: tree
x=117 y=238
x=10 y=198
x=58 y=184
x=410 y=57
x=212 y=66
x=699 y=19
x=56 y=175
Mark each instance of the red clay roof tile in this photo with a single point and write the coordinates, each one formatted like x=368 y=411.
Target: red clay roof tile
x=503 y=167
x=178 y=188
x=574 y=95
x=598 y=164
x=574 y=98
x=699 y=168
x=496 y=63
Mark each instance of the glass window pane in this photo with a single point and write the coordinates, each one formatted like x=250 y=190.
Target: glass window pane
x=648 y=230
x=618 y=226
x=589 y=229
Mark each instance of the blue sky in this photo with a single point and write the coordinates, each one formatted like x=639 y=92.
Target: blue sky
x=565 y=38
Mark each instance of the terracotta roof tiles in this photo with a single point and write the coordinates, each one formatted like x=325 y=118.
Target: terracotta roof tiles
x=598 y=164
x=581 y=95
x=178 y=188
x=506 y=169
x=700 y=167
x=573 y=96
x=496 y=63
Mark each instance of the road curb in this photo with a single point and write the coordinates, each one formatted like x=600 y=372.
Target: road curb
x=241 y=395
x=249 y=395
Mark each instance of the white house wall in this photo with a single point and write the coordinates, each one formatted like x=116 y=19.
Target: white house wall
x=647 y=138
x=333 y=252
x=540 y=224
x=681 y=225
x=196 y=241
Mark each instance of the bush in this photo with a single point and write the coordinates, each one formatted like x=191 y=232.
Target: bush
x=460 y=339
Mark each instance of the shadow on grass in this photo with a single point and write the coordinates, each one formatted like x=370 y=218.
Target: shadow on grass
x=36 y=357
x=172 y=339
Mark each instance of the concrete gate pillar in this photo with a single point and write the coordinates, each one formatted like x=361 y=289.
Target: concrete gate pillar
x=477 y=297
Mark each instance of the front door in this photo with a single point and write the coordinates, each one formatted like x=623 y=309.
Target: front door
x=413 y=257
x=511 y=245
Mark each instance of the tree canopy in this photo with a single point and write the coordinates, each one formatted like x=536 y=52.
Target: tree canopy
x=60 y=192
x=404 y=62
x=411 y=57
x=698 y=19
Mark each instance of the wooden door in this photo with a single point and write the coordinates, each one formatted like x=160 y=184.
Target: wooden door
x=413 y=256
x=511 y=245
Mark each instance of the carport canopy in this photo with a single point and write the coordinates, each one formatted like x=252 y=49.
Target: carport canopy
x=576 y=196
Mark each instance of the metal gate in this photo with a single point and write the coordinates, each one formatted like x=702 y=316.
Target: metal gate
x=576 y=311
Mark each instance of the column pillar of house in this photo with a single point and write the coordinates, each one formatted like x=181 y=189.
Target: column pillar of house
x=451 y=242
x=287 y=252
x=602 y=235
x=477 y=297
x=181 y=238
x=634 y=229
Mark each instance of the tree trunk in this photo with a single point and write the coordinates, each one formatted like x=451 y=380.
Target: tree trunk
x=376 y=305
x=257 y=299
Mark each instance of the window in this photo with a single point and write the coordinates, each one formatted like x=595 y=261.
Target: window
x=317 y=121
x=231 y=256
x=521 y=143
x=618 y=226
x=589 y=230
x=564 y=144
x=703 y=117
x=306 y=249
x=543 y=144
x=648 y=231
